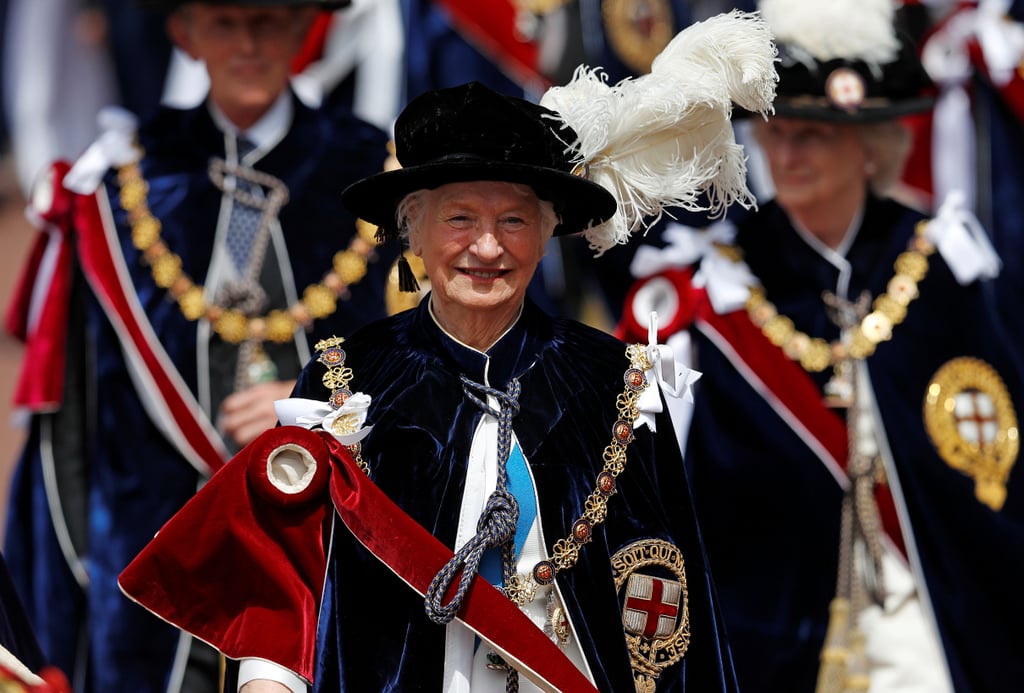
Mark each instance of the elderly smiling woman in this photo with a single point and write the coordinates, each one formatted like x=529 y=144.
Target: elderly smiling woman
x=480 y=243
x=483 y=503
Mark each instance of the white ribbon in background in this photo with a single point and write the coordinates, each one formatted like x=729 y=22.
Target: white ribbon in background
x=664 y=375
x=114 y=147
x=727 y=282
x=1001 y=39
x=953 y=149
x=308 y=413
x=945 y=57
x=685 y=246
x=962 y=241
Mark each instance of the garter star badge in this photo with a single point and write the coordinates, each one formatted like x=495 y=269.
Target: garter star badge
x=971 y=421
x=638 y=30
x=651 y=579
x=845 y=89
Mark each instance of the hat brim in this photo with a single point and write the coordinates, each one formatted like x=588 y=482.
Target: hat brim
x=821 y=109
x=580 y=203
x=871 y=111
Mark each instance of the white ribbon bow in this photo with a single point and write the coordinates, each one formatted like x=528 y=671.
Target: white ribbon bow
x=727 y=282
x=1001 y=39
x=962 y=242
x=344 y=423
x=114 y=147
x=685 y=246
x=665 y=374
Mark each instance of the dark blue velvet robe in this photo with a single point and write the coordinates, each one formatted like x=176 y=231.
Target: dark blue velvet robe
x=119 y=477
x=16 y=635
x=373 y=634
x=770 y=510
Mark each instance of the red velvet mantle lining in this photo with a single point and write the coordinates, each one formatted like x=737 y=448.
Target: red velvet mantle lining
x=236 y=567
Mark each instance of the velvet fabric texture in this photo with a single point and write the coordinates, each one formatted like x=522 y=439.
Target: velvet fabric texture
x=119 y=478
x=274 y=540
x=897 y=88
x=16 y=634
x=251 y=527
x=770 y=509
x=471 y=132
x=373 y=634
x=423 y=426
x=38 y=389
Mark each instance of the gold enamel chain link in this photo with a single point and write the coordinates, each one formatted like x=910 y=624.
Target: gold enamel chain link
x=318 y=301
x=336 y=379
x=523 y=587
x=565 y=552
x=888 y=311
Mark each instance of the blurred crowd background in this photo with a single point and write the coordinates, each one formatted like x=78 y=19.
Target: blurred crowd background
x=15 y=237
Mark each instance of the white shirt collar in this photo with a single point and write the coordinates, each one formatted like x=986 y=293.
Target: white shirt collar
x=487 y=357
x=268 y=130
x=844 y=245
x=836 y=256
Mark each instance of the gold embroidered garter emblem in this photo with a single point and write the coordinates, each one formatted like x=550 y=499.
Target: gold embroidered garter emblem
x=655 y=614
x=971 y=421
x=638 y=30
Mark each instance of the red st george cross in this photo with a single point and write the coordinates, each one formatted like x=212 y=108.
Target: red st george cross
x=975 y=415
x=647 y=599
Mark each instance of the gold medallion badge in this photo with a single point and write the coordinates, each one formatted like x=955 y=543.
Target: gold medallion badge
x=638 y=30
x=651 y=579
x=970 y=418
x=845 y=89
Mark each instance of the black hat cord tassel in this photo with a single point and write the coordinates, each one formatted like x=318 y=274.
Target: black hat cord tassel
x=406 y=279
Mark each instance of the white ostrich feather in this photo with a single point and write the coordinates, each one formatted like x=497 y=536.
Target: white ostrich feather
x=830 y=29
x=665 y=139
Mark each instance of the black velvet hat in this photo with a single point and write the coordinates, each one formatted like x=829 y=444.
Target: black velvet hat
x=852 y=64
x=850 y=90
x=471 y=133
x=171 y=5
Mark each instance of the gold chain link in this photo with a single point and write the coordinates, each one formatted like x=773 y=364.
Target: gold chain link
x=890 y=309
x=318 y=300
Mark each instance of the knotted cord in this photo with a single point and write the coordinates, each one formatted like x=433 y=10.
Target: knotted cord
x=496 y=527
x=497 y=524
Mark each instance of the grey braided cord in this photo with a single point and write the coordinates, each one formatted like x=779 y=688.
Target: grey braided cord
x=496 y=527
x=497 y=524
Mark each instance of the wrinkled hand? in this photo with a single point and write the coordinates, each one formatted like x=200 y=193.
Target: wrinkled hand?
x=247 y=413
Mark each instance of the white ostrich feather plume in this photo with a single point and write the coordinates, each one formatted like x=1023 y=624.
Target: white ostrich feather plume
x=665 y=139
x=830 y=29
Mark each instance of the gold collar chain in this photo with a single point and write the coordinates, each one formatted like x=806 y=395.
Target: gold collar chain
x=318 y=301
x=889 y=310
x=523 y=587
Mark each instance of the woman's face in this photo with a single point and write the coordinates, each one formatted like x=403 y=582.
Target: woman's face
x=480 y=243
x=813 y=163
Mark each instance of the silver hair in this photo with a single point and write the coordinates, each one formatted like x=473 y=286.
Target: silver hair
x=410 y=210
x=888 y=145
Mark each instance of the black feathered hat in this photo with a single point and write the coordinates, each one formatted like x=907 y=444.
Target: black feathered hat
x=470 y=133
x=844 y=60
